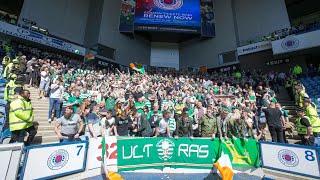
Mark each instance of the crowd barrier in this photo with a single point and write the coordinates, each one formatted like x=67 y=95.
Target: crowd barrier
x=10 y=155
x=121 y=154
x=297 y=159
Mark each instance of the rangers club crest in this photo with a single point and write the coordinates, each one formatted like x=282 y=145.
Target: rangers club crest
x=165 y=149
x=288 y=158
x=168 y=4
x=58 y=159
x=290 y=43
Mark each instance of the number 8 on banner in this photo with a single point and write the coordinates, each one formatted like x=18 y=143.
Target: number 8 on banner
x=309 y=156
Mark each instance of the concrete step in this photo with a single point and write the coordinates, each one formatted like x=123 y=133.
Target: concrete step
x=45 y=139
x=47 y=133
x=43 y=122
x=46 y=128
x=40 y=109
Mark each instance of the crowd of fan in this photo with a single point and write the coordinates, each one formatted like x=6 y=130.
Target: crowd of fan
x=97 y=103
x=89 y=102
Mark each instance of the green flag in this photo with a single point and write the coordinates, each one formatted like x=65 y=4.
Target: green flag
x=140 y=70
x=242 y=152
x=103 y=142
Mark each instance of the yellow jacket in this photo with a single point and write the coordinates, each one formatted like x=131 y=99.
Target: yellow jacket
x=21 y=114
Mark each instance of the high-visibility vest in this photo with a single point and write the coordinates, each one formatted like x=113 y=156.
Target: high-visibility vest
x=301 y=128
x=313 y=116
x=9 y=94
x=20 y=115
x=7 y=70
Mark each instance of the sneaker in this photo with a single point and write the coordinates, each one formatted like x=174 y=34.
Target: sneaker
x=49 y=120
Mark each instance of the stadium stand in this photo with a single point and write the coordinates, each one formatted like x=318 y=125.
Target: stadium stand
x=312 y=85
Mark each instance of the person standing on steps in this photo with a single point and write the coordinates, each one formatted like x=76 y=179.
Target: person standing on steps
x=312 y=114
x=304 y=127
x=55 y=101
x=69 y=126
x=21 y=117
x=275 y=122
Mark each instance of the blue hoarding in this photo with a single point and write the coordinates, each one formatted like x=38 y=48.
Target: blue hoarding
x=168 y=15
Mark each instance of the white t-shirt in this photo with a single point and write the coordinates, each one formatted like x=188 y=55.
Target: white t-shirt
x=44 y=76
x=163 y=125
x=56 y=91
x=110 y=123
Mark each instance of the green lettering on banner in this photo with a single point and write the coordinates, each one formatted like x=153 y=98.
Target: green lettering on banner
x=198 y=153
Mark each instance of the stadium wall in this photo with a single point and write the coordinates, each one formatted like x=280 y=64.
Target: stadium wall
x=93 y=23
x=206 y=52
x=128 y=49
x=258 y=18
x=260 y=61
x=66 y=19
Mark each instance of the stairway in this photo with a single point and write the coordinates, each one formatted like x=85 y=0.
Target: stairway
x=46 y=132
x=289 y=105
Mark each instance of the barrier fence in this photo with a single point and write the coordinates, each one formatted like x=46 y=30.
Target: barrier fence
x=129 y=154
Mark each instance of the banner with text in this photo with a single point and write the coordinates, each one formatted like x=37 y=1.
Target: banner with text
x=37 y=37
x=157 y=153
x=54 y=160
x=301 y=160
x=252 y=48
x=168 y=15
x=95 y=153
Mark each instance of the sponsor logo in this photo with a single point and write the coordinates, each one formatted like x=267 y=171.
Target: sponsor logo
x=290 y=43
x=288 y=158
x=165 y=149
x=58 y=159
x=168 y=4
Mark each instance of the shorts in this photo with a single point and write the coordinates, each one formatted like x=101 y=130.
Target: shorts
x=43 y=85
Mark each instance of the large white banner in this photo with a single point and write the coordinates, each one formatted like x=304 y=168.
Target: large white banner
x=33 y=36
x=252 y=48
x=54 y=160
x=95 y=153
x=296 y=42
x=300 y=160
x=10 y=155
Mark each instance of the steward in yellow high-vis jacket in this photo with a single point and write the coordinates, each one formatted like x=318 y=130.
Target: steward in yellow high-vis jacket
x=21 y=118
x=312 y=114
x=5 y=61
x=9 y=92
x=10 y=67
x=304 y=127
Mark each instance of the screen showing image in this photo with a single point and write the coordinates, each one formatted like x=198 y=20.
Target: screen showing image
x=168 y=15
x=127 y=15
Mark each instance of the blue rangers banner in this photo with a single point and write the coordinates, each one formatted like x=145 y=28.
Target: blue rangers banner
x=290 y=158
x=51 y=161
x=168 y=15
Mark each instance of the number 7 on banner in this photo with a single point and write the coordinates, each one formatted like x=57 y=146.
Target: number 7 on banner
x=80 y=148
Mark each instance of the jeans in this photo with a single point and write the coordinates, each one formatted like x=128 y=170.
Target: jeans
x=18 y=135
x=276 y=134
x=55 y=104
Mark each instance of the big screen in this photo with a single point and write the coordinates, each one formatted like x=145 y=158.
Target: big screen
x=168 y=15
